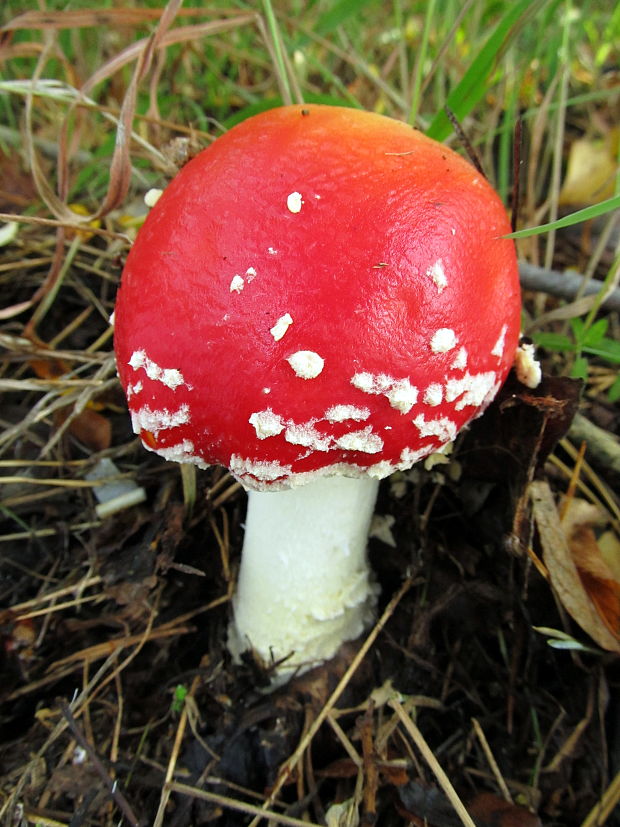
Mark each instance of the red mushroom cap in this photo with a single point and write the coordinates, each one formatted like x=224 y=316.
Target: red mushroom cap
x=321 y=291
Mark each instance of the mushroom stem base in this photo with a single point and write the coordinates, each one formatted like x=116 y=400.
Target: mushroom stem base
x=304 y=584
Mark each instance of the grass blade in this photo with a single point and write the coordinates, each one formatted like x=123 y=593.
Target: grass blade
x=278 y=51
x=474 y=83
x=568 y=220
x=337 y=14
x=419 y=67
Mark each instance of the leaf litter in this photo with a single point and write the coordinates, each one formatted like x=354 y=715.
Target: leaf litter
x=118 y=696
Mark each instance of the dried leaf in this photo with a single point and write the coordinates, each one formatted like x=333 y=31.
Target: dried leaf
x=600 y=578
x=17 y=189
x=92 y=429
x=81 y=18
x=341 y=768
x=511 y=443
x=490 y=810
x=596 y=577
x=343 y=815
x=609 y=544
x=52 y=368
x=591 y=171
x=563 y=572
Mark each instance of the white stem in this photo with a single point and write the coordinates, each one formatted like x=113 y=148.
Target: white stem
x=304 y=584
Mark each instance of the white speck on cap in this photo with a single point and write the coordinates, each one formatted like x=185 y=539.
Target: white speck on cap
x=433 y=395
x=272 y=251
x=294 y=202
x=460 y=360
x=443 y=340
x=380 y=470
x=237 y=284
x=438 y=275
x=402 y=395
x=306 y=363
x=264 y=471
x=340 y=413
x=170 y=377
x=472 y=388
x=281 y=326
x=133 y=389
x=365 y=382
x=147 y=419
x=306 y=435
x=409 y=456
x=152 y=196
x=364 y=441
x=182 y=452
x=443 y=428
x=498 y=347
x=266 y=423
x=250 y=274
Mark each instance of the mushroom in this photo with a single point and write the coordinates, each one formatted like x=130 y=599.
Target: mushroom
x=320 y=298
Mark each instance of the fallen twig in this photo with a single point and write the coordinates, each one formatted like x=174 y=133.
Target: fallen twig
x=565 y=285
x=111 y=784
x=603 y=447
x=429 y=757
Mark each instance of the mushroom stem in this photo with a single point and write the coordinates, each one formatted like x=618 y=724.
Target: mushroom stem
x=304 y=584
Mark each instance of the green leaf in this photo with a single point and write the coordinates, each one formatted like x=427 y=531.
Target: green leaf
x=475 y=81
x=554 y=341
x=586 y=214
x=578 y=327
x=607 y=349
x=560 y=640
x=180 y=693
x=614 y=392
x=580 y=369
x=569 y=645
x=596 y=333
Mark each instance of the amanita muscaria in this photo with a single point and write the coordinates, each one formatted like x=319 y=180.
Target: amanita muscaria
x=320 y=298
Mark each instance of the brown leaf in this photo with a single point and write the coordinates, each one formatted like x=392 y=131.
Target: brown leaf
x=82 y=18
x=51 y=368
x=92 y=429
x=488 y=810
x=341 y=768
x=17 y=189
x=596 y=577
x=563 y=571
x=609 y=544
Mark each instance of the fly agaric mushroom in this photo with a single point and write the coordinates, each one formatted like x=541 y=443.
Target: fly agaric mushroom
x=320 y=298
